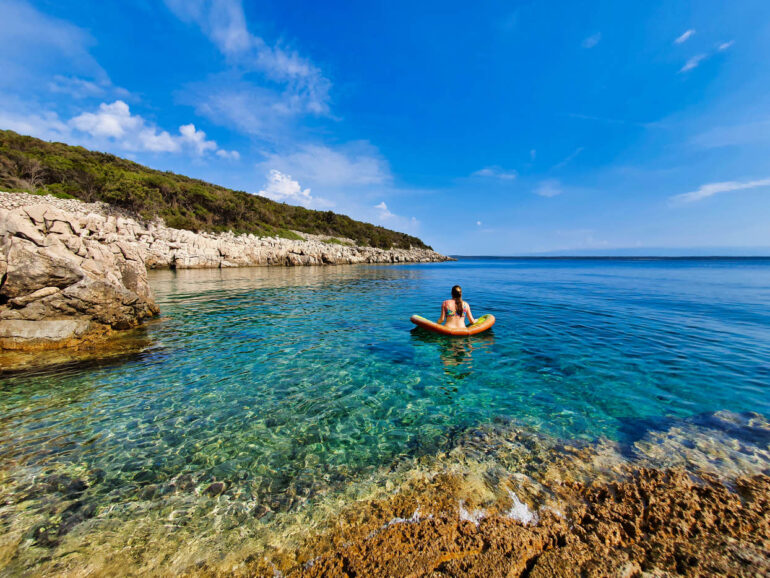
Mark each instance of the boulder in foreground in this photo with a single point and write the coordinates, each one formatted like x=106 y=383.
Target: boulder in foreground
x=59 y=288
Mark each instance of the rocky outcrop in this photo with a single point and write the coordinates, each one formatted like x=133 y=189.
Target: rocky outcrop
x=72 y=271
x=656 y=523
x=162 y=246
x=60 y=287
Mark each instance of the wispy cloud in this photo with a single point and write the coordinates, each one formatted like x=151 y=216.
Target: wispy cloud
x=693 y=62
x=684 y=37
x=549 y=188
x=81 y=88
x=496 y=172
x=606 y=120
x=592 y=40
x=224 y=23
x=37 y=46
x=571 y=157
x=754 y=132
x=725 y=45
x=711 y=189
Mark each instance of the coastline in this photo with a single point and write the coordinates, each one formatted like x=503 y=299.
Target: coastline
x=74 y=274
x=165 y=247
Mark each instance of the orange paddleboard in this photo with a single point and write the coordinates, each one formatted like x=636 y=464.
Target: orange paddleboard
x=482 y=324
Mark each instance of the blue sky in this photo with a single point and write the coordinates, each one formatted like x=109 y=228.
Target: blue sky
x=484 y=128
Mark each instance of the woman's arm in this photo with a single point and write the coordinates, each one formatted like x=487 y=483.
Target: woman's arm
x=470 y=315
x=443 y=314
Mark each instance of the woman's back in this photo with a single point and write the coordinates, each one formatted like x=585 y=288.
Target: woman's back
x=454 y=318
x=453 y=310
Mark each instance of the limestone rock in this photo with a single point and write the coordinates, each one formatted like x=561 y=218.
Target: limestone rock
x=56 y=291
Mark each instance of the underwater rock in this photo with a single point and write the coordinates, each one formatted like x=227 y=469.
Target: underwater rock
x=215 y=489
x=148 y=492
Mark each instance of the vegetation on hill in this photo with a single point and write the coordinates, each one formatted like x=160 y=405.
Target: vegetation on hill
x=33 y=165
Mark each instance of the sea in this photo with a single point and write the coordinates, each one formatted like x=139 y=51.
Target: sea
x=265 y=393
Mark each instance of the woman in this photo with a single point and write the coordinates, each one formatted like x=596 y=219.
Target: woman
x=453 y=310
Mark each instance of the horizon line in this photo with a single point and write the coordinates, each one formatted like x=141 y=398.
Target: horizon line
x=626 y=257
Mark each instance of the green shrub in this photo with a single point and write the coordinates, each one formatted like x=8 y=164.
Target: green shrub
x=184 y=203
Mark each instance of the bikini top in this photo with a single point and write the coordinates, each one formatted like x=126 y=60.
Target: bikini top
x=451 y=312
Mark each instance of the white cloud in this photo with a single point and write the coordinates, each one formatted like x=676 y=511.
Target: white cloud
x=496 y=172
x=113 y=124
x=196 y=139
x=592 y=40
x=693 y=62
x=711 y=189
x=232 y=155
x=549 y=188
x=111 y=121
x=384 y=211
x=685 y=35
x=478 y=223
x=281 y=187
x=698 y=58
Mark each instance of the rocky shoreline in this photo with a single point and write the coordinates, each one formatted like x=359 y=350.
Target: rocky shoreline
x=650 y=523
x=501 y=500
x=72 y=273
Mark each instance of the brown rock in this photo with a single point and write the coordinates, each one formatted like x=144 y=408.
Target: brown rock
x=656 y=523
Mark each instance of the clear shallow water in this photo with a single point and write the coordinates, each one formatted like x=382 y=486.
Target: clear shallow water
x=285 y=382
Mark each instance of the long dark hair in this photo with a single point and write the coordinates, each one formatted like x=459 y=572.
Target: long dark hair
x=457 y=294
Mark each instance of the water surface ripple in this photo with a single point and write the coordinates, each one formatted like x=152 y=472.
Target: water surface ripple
x=286 y=381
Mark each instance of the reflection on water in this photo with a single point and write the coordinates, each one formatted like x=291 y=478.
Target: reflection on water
x=261 y=392
x=121 y=348
x=456 y=352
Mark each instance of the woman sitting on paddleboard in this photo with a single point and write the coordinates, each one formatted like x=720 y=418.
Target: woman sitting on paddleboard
x=453 y=310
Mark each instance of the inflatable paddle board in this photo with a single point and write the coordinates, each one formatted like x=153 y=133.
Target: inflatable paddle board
x=482 y=324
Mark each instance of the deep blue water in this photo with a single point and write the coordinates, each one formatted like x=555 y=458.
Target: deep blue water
x=290 y=377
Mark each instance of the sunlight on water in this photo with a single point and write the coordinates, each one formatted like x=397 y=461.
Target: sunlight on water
x=263 y=390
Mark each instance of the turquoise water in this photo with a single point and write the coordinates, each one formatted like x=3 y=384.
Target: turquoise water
x=285 y=382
